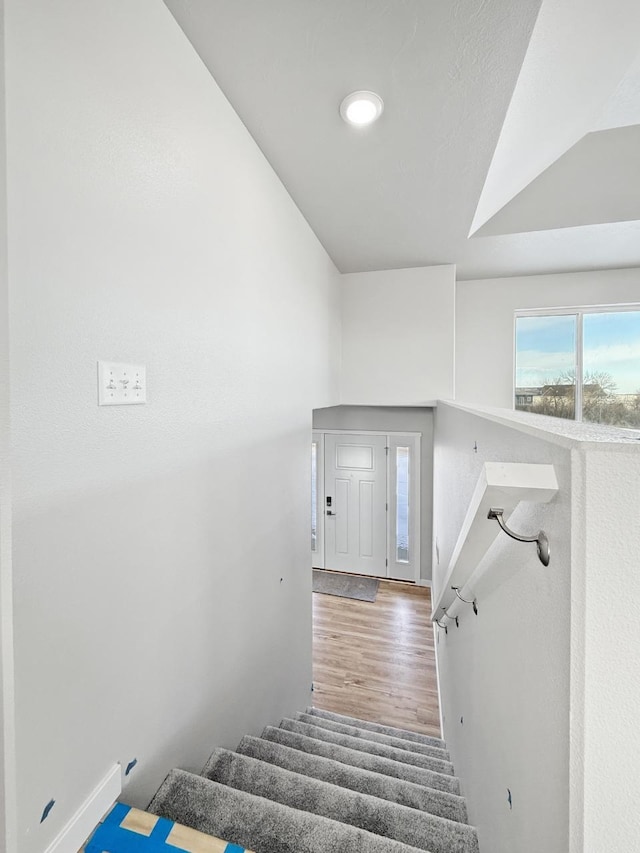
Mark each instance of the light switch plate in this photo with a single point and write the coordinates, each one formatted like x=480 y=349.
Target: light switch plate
x=121 y=384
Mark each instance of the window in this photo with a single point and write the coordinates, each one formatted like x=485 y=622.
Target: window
x=314 y=496
x=602 y=348
x=402 y=504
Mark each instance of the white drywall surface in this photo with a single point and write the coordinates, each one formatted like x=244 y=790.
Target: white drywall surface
x=161 y=552
x=504 y=674
x=577 y=55
x=623 y=107
x=7 y=739
x=398 y=336
x=540 y=690
x=485 y=322
x=394 y=419
x=611 y=597
x=589 y=184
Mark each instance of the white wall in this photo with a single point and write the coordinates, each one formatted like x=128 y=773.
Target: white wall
x=398 y=336
x=394 y=419
x=576 y=56
x=161 y=554
x=7 y=786
x=610 y=595
x=485 y=324
x=505 y=673
x=540 y=690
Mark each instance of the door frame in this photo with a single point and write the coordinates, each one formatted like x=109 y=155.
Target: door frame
x=415 y=519
x=317 y=556
x=395 y=570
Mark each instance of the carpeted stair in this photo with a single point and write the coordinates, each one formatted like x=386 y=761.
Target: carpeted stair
x=324 y=782
x=382 y=750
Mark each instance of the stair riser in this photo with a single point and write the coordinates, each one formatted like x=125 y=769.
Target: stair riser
x=370 y=747
x=355 y=758
x=356 y=779
x=365 y=734
x=372 y=814
x=403 y=734
x=259 y=824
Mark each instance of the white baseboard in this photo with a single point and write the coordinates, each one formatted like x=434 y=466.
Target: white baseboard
x=423 y=582
x=72 y=836
x=435 y=644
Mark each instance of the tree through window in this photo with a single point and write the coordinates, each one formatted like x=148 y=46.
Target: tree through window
x=549 y=357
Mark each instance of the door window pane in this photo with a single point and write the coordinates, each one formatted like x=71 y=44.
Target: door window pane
x=354 y=456
x=402 y=504
x=314 y=495
x=546 y=365
x=611 y=368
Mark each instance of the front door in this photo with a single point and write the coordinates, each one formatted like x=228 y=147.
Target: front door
x=355 y=503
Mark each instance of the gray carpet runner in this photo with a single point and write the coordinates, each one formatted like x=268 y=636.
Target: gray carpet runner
x=370 y=746
x=377 y=727
x=357 y=758
x=325 y=783
x=417 y=796
x=387 y=740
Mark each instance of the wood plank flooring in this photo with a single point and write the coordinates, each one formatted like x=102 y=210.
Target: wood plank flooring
x=376 y=661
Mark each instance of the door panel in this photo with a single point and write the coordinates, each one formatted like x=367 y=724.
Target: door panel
x=367 y=522
x=355 y=503
x=341 y=519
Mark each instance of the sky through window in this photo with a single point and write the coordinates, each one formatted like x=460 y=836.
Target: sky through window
x=547 y=360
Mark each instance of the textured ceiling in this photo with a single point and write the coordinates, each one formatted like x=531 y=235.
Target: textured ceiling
x=481 y=97
x=623 y=107
x=591 y=184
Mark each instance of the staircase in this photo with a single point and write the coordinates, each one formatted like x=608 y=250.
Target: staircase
x=325 y=783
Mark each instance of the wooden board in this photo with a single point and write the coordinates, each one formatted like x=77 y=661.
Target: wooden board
x=129 y=830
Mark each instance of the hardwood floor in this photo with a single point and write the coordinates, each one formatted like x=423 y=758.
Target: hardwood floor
x=376 y=661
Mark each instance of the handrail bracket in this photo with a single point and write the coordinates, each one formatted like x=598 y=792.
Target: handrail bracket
x=541 y=540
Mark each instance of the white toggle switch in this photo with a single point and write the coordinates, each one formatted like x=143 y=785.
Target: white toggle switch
x=121 y=384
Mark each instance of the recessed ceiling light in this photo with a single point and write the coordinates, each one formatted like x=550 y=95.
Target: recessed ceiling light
x=361 y=108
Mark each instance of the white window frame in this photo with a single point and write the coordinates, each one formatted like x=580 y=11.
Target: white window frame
x=569 y=311
x=409 y=570
x=317 y=556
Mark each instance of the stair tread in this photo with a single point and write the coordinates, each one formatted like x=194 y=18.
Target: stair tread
x=378 y=737
x=405 y=793
x=258 y=823
x=372 y=747
x=380 y=816
x=365 y=760
x=382 y=728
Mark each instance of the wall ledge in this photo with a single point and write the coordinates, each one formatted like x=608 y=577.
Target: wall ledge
x=566 y=433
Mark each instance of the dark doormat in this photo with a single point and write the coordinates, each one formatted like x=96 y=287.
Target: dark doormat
x=346 y=586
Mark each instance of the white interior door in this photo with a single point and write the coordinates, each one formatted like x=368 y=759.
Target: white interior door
x=355 y=503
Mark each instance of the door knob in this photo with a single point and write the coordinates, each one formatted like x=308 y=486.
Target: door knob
x=330 y=512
